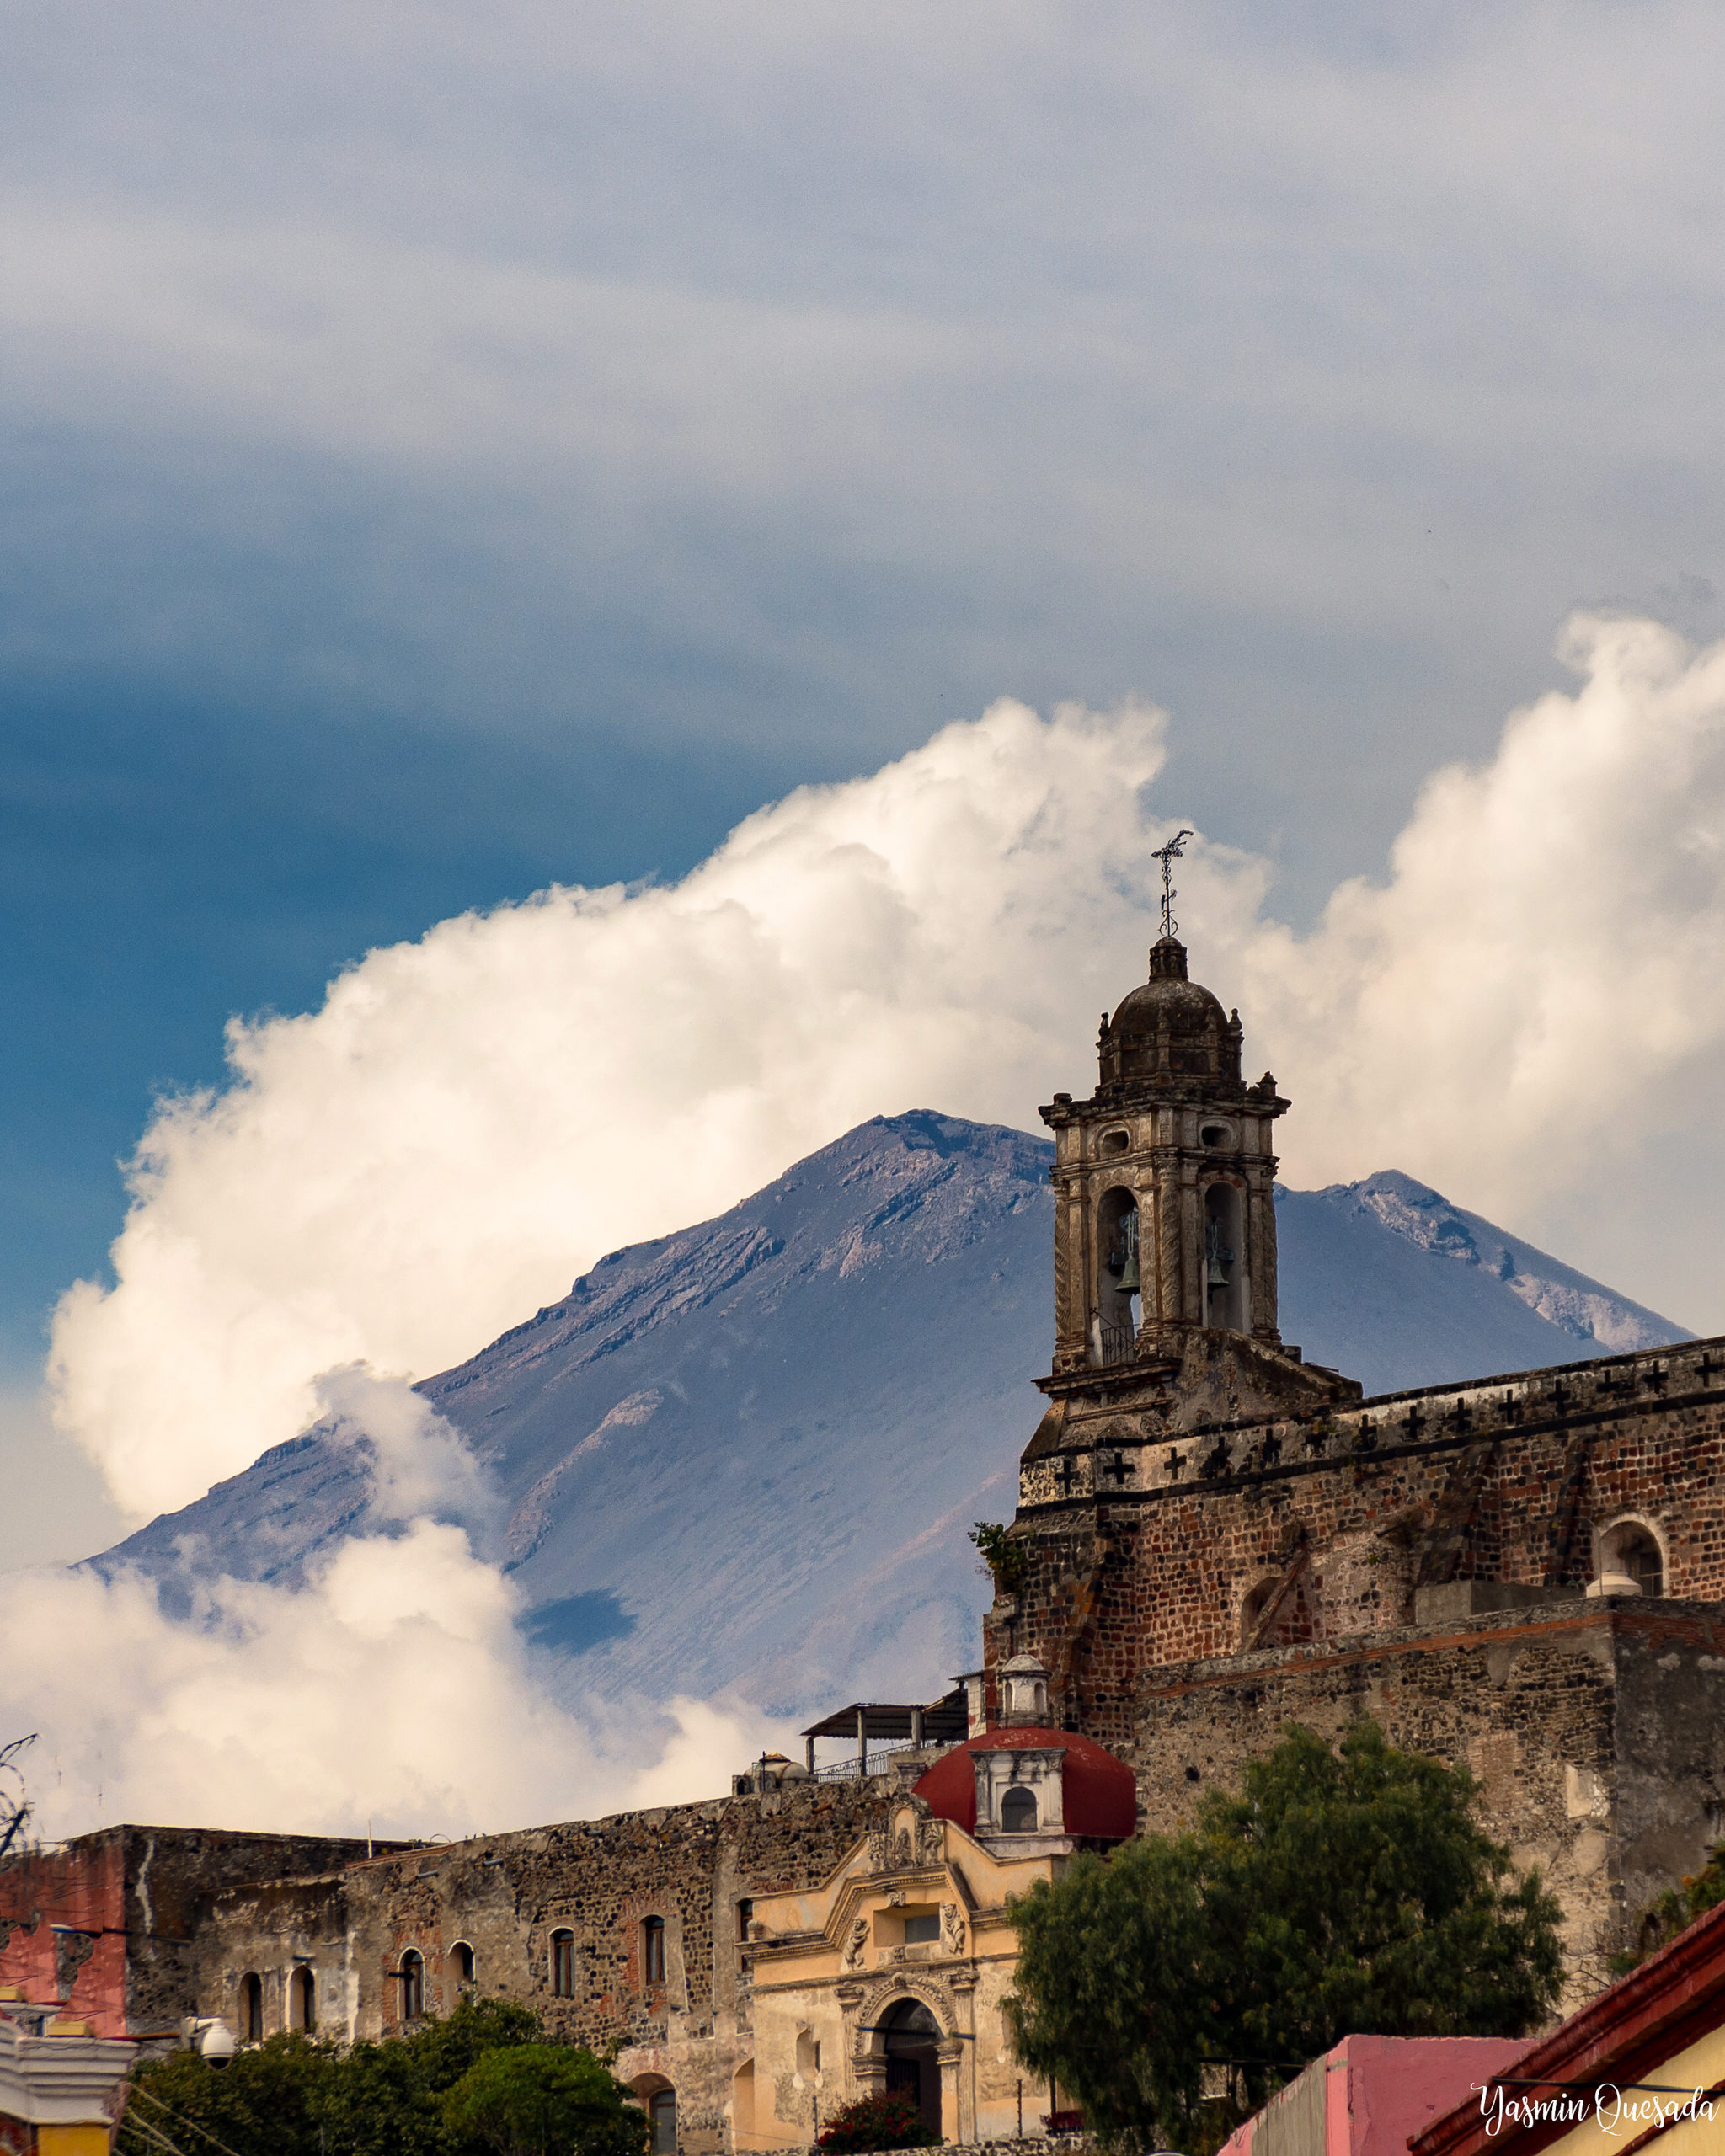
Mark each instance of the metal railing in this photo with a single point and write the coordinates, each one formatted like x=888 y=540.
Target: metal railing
x=1115 y=1343
x=879 y=1761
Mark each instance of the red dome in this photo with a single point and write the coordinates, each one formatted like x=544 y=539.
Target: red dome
x=1099 y=1792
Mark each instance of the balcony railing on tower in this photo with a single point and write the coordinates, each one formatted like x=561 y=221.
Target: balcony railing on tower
x=1114 y=1343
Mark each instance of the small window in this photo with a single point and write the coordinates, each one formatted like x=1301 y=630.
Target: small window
x=1217 y=1136
x=1629 y=1548
x=918 y=1929
x=412 y=1986
x=251 y=2009
x=301 y=2003
x=1018 y=1812
x=1115 y=1141
x=662 y=2111
x=461 y=1961
x=562 y=1964
x=653 y=1955
x=745 y=1917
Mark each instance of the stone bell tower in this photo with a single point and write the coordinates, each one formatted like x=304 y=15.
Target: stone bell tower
x=1164 y=1212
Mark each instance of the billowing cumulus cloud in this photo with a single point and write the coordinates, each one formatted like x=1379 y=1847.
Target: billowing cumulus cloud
x=471 y=1120
x=392 y=1690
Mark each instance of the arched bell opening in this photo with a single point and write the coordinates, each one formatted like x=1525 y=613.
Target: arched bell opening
x=1224 y=1285
x=1118 y=1276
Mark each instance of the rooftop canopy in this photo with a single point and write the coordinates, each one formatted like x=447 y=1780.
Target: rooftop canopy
x=945 y=1721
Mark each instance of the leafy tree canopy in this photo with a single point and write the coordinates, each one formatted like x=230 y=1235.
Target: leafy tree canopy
x=1675 y=1911
x=297 y=2095
x=1344 y=1891
x=543 y=2099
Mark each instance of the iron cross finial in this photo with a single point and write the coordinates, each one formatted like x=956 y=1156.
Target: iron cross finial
x=1168 y=855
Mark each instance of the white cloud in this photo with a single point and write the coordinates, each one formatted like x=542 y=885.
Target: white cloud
x=1535 y=991
x=471 y=1120
x=392 y=1690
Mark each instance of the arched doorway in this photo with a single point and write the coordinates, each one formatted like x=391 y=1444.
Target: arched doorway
x=909 y=2036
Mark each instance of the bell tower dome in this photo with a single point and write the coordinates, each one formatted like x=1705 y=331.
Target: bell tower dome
x=1165 y=1216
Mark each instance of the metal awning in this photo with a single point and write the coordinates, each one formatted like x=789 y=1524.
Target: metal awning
x=945 y=1721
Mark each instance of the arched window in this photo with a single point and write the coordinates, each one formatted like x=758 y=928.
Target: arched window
x=413 y=1985
x=461 y=1962
x=1018 y=1811
x=301 y=2003
x=562 y=1964
x=1630 y=1551
x=742 y=2102
x=251 y=2009
x=653 y=1953
x=662 y=2111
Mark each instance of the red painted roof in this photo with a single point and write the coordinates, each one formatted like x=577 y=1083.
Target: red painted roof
x=1622 y=2036
x=1098 y=1794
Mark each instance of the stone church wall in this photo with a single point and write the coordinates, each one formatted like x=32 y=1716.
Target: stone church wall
x=505 y=1895
x=1596 y=1734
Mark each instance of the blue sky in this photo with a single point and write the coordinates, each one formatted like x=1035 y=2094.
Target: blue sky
x=448 y=452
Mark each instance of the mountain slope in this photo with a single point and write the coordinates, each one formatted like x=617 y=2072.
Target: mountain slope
x=748 y=1453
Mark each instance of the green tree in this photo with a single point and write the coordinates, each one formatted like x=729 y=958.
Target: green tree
x=387 y=2100
x=1343 y=1891
x=543 y=2100
x=294 y=2096
x=1675 y=1911
x=268 y=2101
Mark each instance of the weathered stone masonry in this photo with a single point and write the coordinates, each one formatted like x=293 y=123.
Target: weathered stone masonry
x=1524 y=1573
x=506 y=1896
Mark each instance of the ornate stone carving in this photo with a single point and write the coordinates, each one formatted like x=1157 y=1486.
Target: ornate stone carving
x=857 y=1942
x=951 y=1927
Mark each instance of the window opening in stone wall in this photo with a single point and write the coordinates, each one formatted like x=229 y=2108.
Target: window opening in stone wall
x=562 y=1964
x=1631 y=1550
x=662 y=2111
x=461 y=1961
x=1115 y=1141
x=1222 y=1257
x=1018 y=1811
x=1119 y=1279
x=745 y=1917
x=912 y=2063
x=653 y=1951
x=301 y=2003
x=412 y=1986
x=807 y=2053
x=1217 y=1136
x=251 y=2009
x=919 y=1930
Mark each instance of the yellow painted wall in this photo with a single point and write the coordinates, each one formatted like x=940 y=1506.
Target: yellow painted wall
x=1698 y=2067
x=72 y=2141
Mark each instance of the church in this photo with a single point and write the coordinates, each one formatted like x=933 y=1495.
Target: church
x=1523 y=1574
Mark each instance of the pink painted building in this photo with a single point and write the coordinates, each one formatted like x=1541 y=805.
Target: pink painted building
x=1371 y=2094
